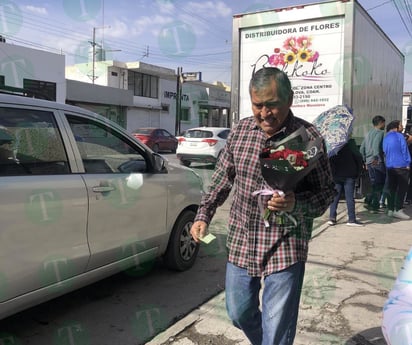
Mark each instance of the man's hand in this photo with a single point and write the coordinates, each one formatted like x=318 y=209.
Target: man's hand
x=285 y=202
x=198 y=230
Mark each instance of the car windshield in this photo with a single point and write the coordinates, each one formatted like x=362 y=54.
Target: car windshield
x=144 y=131
x=198 y=134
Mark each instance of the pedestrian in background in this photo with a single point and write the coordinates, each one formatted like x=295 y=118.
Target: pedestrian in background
x=270 y=257
x=397 y=161
x=346 y=167
x=372 y=153
x=408 y=137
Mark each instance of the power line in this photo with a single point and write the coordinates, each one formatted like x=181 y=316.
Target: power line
x=408 y=12
x=203 y=57
x=403 y=21
x=383 y=3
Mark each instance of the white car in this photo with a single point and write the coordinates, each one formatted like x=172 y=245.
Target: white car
x=202 y=144
x=81 y=199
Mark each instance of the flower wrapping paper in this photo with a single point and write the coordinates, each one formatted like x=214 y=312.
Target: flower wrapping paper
x=281 y=174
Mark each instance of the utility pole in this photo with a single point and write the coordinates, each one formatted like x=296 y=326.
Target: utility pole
x=94 y=55
x=178 y=99
x=94 y=44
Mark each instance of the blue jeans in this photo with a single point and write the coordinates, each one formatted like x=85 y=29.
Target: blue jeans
x=377 y=177
x=276 y=323
x=346 y=185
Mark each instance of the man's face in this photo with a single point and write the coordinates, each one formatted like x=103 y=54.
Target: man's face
x=382 y=125
x=269 y=111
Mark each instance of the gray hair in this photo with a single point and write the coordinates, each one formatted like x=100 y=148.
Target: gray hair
x=263 y=77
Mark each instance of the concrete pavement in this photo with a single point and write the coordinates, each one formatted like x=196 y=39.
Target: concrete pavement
x=348 y=276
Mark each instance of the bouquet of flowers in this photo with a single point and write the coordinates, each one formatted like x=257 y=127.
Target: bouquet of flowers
x=285 y=163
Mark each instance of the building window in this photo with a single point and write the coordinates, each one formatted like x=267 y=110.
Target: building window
x=2 y=80
x=154 y=86
x=143 y=85
x=40 y=89
x=185 y=114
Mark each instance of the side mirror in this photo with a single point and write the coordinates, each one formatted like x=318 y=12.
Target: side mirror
x=160 y=163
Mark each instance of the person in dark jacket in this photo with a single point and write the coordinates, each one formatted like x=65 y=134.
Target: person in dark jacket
x=346 y=167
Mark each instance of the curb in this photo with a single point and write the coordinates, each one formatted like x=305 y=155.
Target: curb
x=190 y=319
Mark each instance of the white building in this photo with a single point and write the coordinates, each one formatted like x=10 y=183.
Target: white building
x=133 y=94
x=154 y=90
x=32 y=71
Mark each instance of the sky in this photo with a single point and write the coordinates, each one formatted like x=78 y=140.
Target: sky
x=136 y=30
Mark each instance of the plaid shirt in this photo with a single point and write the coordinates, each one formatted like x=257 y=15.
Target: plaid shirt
x=250 y=244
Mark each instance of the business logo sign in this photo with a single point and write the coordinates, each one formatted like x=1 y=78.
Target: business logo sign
x=309 y=53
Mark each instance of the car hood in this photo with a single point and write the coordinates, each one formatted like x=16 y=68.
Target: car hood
x=194 y=178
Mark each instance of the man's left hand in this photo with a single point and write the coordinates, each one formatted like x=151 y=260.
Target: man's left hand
x=280 y=202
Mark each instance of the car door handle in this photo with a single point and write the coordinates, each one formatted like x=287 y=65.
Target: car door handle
x=103 y=189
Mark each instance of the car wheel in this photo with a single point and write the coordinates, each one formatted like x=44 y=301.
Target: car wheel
x=181 y=250
x=155 y=148
x=185 y=163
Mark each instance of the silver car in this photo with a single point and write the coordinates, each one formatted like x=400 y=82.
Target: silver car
x=81 y=200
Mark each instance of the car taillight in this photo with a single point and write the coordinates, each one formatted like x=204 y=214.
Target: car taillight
x=180 y=140
x=211 y=142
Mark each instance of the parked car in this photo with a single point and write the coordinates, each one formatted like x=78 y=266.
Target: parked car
x=81 y=199
x=202 y=144
x=158 y=139
x=181 y=134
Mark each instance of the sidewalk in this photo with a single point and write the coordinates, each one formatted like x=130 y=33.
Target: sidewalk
x=348 y=275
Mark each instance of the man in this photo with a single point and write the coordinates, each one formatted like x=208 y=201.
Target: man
x=372 y=153
x=346 y=167
x=254 y=251
x=397 y=160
